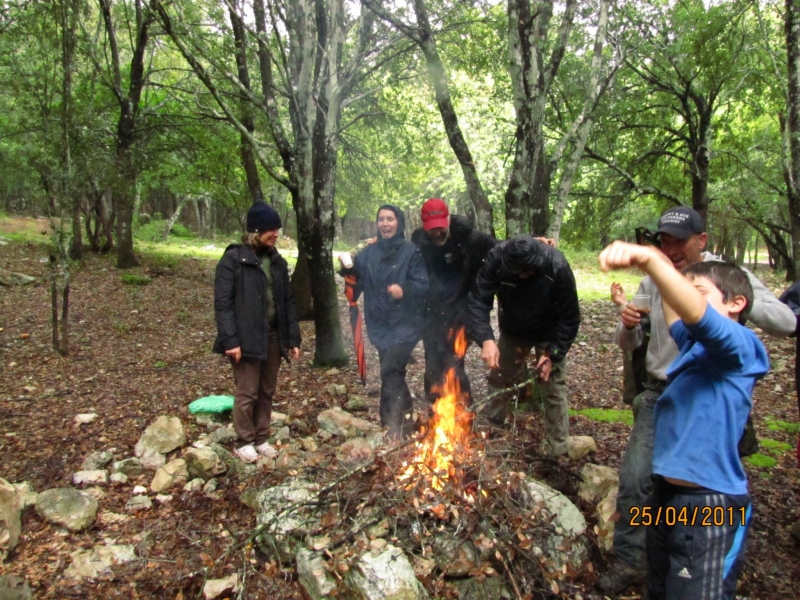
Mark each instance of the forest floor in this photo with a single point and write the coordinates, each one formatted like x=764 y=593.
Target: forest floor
x=138 y=352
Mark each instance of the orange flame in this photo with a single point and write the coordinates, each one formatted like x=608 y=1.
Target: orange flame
x=459 y=342
x=449 y=430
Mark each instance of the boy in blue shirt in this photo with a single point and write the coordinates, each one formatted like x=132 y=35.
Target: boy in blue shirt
x=698 y=514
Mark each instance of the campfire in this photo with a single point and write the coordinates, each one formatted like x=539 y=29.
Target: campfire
x=448 y=436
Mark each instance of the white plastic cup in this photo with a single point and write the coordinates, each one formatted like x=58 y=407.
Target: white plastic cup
x=347 y=261
x=642 y=302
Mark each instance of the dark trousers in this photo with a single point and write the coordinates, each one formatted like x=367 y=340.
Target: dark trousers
x=695 y=560
x=635 y=479
x=256 y=381
x=396 y=404
x=553 y=393
x=438 y=339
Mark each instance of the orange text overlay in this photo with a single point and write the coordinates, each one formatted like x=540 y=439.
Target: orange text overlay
x=705 y=516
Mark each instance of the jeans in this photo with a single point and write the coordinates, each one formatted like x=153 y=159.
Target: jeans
x=396 y=405
x=513 y=370
x=635 y=484
x=256 y=381
x=438 y=339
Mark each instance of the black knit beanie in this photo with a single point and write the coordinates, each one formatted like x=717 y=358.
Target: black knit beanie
x=262 y=217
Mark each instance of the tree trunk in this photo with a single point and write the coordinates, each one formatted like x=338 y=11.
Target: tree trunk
x=245 y=149
x=484 y=218
x=301 y=288
x=791 y=131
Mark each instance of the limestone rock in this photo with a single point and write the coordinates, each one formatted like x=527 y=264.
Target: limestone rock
x=597 y=480
x=9 y=278
x=172 y=473
x=356 y=404
x=195 y=485
x=278 y=417
x=27 y=496
x=107 y=518
x=139 y=490
x=119 y=478
x=83 y=477
x=131 y=467
x=150 y=459
x=355 y=452
x=93 y=563
x=281 y=435
x=138 y=503
x=309 y=444
x=488 y=588
x=10 y=522
x=387 y=575
x=341 y=423
x=203 y=463
x=453 y=556
x=210 y=486
x=96 y=492
x=337 y=390
x=561 y=543
x=96 y=460
x=85 y=418
x=14 y=588
x=67 y=507
x=164 y=498
x=284 y=530
x=606 y=517
x=222 y=435
x=163 y=435
x=237 y=467
x=313 y=575
x=215 y=588
x=580 y=446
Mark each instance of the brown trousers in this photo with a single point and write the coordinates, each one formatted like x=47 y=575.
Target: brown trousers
x=256 y=381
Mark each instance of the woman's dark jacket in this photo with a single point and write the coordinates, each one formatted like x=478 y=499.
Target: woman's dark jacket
x=541 y=308
x=379 y=265
x=467 y=250
x=240 y=298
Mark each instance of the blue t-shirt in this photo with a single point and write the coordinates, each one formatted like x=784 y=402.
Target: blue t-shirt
x=702 y=413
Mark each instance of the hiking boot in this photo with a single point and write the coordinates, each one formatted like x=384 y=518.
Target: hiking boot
x=247 y=453
x=619 y=576
x=266 y=449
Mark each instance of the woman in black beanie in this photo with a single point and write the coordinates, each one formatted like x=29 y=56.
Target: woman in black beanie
x=392 y=276
x=256 y=326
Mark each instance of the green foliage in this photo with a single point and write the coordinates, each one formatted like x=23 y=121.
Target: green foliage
x=775 y=447
x=131 y=279
x=605 y=415
x=762 y=461
x=776 y=425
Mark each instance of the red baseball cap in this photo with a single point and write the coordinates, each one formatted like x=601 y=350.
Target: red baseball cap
x=435 y=214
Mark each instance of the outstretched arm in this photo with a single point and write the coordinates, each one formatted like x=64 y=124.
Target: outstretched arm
x=681 y=299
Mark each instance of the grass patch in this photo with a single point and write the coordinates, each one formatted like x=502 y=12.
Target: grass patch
x=131 y=279
x=593 y=284
x=605 y=415
x=774 y=446
x=762 y=461
x=789 y=427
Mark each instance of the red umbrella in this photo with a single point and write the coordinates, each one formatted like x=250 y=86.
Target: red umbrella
x=355 y=323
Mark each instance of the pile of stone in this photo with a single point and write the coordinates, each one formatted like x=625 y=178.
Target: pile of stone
x=339 y=514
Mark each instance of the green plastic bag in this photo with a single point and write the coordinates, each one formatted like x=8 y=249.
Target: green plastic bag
x=211 y=404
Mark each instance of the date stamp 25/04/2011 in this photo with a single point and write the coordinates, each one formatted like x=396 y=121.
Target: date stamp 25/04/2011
x=705 y=516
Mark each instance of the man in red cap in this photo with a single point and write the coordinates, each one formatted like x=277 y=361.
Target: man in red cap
x=453 y=252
